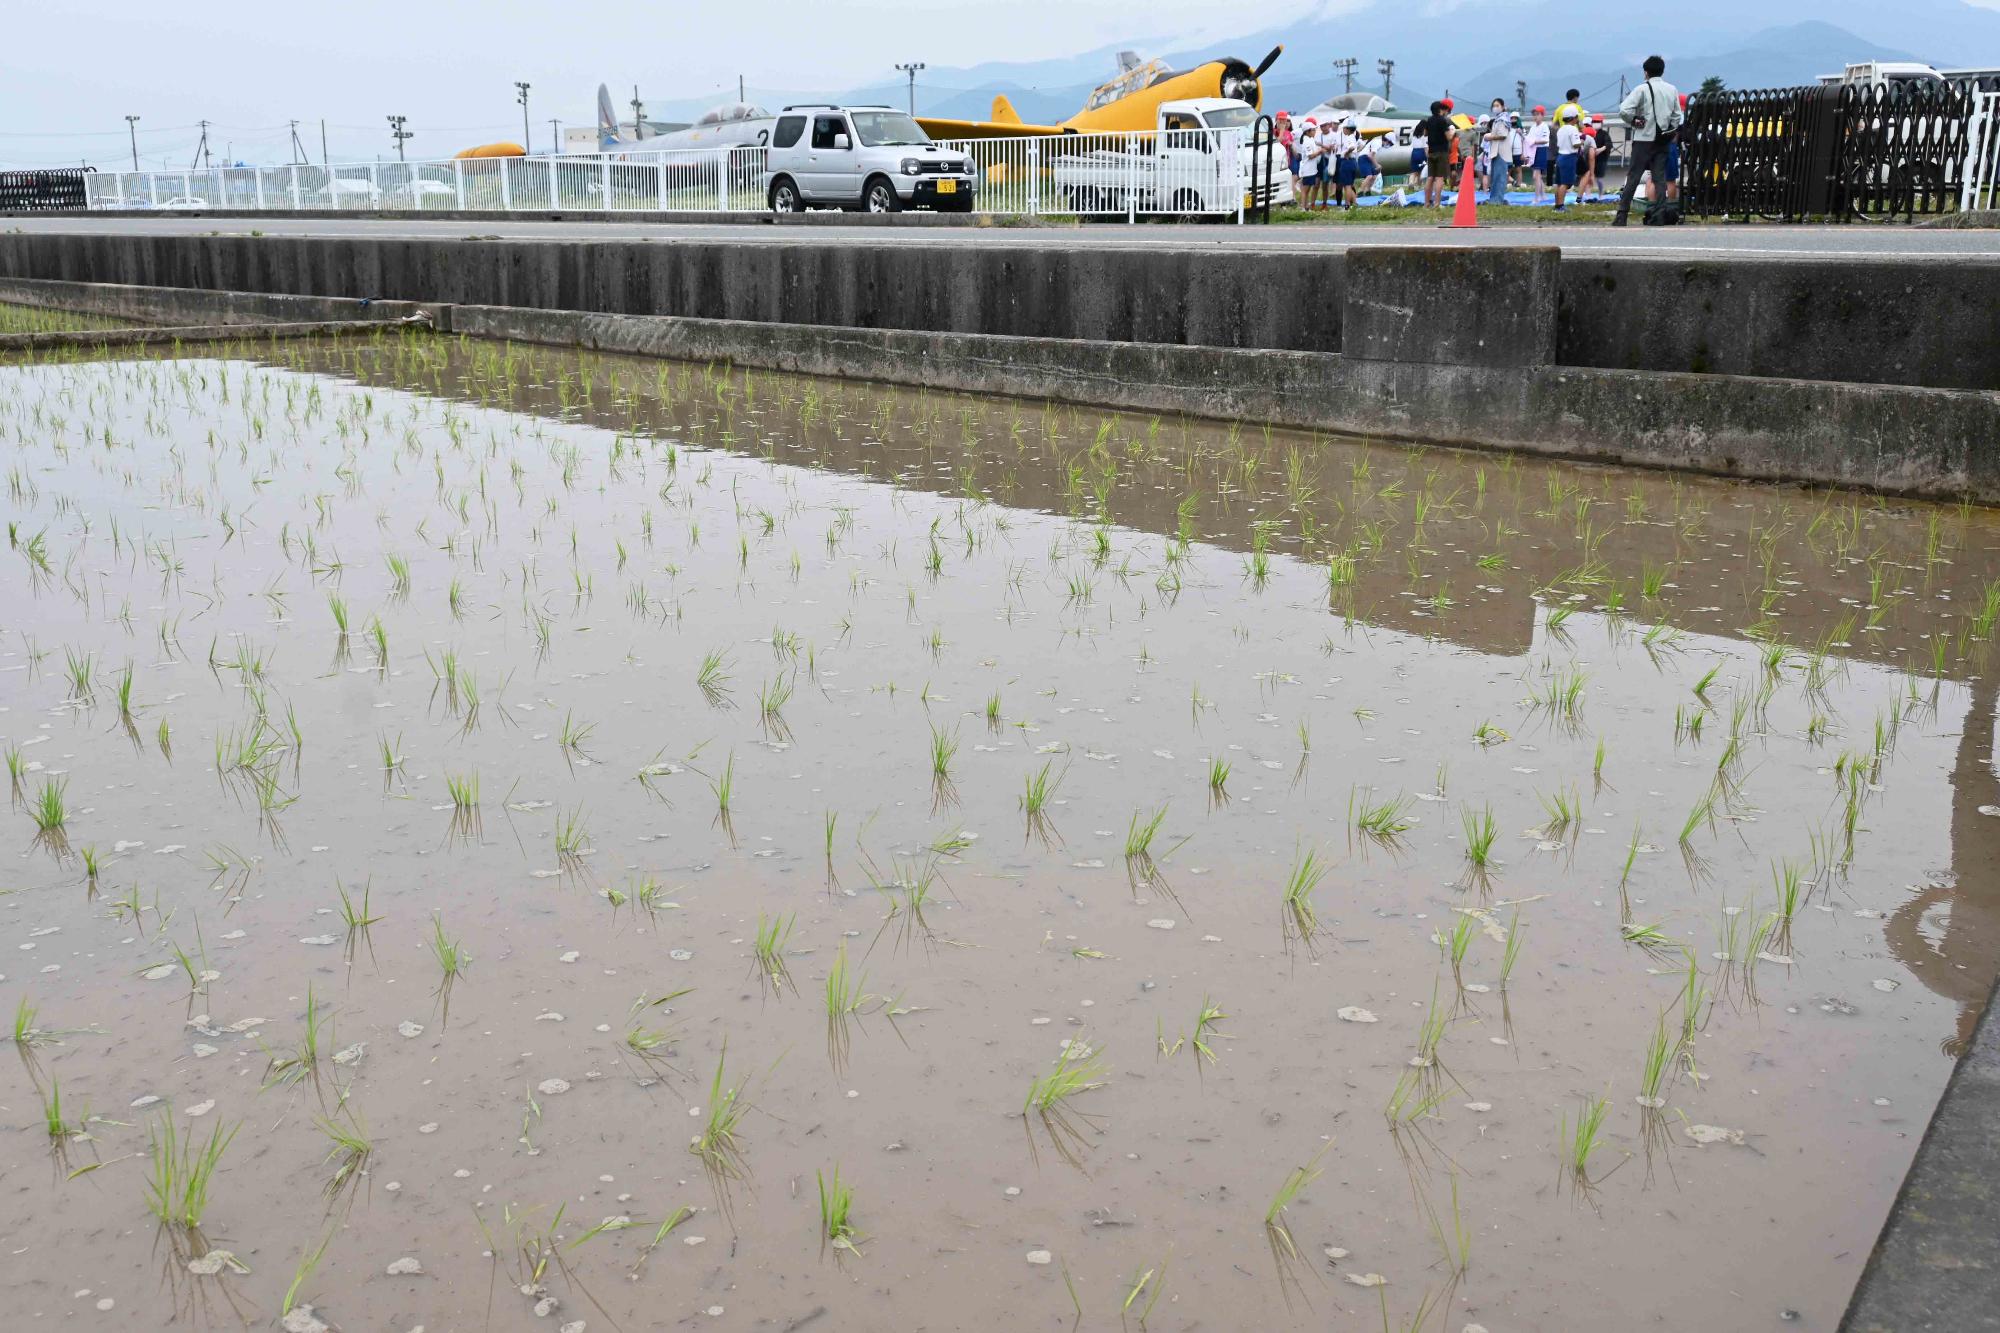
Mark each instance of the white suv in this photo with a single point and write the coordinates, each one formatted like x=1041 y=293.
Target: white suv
x=872 y=158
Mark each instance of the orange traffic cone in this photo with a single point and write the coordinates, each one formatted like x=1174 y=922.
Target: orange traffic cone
x=1465 y=212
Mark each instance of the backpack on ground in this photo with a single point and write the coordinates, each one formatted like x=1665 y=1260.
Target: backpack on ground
x=1664 y=214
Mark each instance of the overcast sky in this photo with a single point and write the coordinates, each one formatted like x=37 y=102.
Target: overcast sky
x=71 y=70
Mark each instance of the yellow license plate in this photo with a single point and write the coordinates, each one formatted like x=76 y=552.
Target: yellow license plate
x=947 y=187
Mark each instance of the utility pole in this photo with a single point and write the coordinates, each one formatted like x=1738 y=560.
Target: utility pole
x=739 y=89
x=398 y=133
x=324 y=159
x=638 y=114
x=298 y=149
x=132 y=124
x=555 y=137
x=1388 y=69
x=521 y=96
x=1520 y=94
x=911 y=70
x=201 y=149
x=1346 y=68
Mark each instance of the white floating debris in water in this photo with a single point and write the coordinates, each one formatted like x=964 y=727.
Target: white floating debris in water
x=215 y=1261
x=200 y=1108
x=1087 y=865
x=159 y=973
x=1477 y=988
x=1367 y=1279
x=1356 y=1014
x=170 y=849
x=202 y=1051
x=352 y=1055
x=1989 y=809
x=122 y=845
x=1040 y=1257
x=569 y=957
x=1884 y=984
x=106 y=1303
x=715 y=1310
x=235 y=934
x=318 y=940
x=301 y=1319
x=1479 y=1106
x=405 y=1266
x=1881 y=1101
x=430 y=1128
x=1705 y=1134
x=680 y=955
x=551 y=1087
x=550 y=1017
x=409 y=1029
x=1867 y=914
x=1161 y=923
x=1335 y=1253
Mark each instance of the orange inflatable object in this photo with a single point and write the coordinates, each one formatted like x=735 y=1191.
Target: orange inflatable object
x=494 y=150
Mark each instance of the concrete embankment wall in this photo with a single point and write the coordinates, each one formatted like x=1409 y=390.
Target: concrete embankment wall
x=1913 y=321
x=1475 y=347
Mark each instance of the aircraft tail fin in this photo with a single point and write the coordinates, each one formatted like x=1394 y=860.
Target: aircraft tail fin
x=607 y=118
x=1003 y=110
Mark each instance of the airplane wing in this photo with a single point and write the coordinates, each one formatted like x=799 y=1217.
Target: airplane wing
x=984 y=129
x=1006 y=124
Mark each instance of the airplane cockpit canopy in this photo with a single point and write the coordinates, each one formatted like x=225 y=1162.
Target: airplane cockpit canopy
x=730 y=112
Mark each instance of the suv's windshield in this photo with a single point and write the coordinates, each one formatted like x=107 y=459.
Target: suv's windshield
x=1229 y=117
x=879 y=128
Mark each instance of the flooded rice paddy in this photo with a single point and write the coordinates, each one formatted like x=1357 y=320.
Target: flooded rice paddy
x=509 y=841
x=40 y=319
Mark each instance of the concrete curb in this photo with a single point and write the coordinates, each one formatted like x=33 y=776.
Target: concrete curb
x=1936 y=1268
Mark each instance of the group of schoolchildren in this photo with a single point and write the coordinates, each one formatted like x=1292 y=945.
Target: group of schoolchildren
x=1332 y=162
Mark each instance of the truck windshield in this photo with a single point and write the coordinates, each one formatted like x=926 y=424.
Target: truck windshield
x=1229 y=117
x=880 y=128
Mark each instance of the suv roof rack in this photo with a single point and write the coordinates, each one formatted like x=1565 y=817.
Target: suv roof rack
x=808 y=106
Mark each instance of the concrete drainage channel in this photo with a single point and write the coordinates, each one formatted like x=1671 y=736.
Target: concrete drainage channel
x=1418 y=362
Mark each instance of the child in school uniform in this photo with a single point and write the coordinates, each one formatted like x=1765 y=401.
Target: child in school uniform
x=1311 y=161
x=1365 y=169
x=1537 y=143
x=1569 y=148
x=1343 y=166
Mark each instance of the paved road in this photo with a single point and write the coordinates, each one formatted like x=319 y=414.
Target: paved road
x=1854 y=241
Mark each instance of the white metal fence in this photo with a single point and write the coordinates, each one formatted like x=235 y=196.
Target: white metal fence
x=1175 y=171
x=1979 y=181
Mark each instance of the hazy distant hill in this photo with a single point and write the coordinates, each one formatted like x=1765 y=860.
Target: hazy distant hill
x=1477 y=49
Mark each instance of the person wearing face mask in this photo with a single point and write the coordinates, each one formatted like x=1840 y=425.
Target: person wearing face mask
x=1497 y=141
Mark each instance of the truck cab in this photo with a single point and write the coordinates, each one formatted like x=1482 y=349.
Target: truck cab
x=1195 y=160
x=871 y=158
x=1882 y=73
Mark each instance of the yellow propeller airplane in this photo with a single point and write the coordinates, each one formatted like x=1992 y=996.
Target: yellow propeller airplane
x=1128 y=102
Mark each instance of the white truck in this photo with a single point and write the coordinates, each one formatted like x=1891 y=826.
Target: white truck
x=1880 y=73
x=1196 y=159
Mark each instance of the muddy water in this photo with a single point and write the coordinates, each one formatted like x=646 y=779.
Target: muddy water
x=1142 y=597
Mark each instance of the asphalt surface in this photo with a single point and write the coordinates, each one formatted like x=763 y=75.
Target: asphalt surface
x=1853 y=241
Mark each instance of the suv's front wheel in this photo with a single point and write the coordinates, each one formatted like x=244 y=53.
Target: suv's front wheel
x=785 y=196
x=880 y=196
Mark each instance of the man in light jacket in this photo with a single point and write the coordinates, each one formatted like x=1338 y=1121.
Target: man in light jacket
x=1653 y=112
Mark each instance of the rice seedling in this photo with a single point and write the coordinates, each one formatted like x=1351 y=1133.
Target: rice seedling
x=1789 y=882
x=1384 y=821
x=1218 y=780
x=1657 y=1067
x=1582 y=1141
x=1481 y=829
x=1139 y=837
x=303 y=1060
x=1150 y=1278
x=463 y=788
x=719 y=1145
x=50 y=811
x=1486 y=734
x=17 y=768
x=1298 y=917
x=1276 y=1229
x=944 y=749
x=572 y=838
x=1457 y=942
x=836 y=1203
x=993 y=718
x=348 y=1151
x=1510 y=952
x=1036 y=791
x=56 y=1122
x=1078 y=1069
x=309 y=1262
x=356 y=917
x=772 y=937
x=81 y=671
x=452 y=960
x=723 y=785
x=1565 y=811
x=712 y=679
x=571 y=736
x=1702 y=812
x=182 y=1174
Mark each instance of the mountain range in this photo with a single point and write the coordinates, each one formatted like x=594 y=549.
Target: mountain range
x=1475 y=49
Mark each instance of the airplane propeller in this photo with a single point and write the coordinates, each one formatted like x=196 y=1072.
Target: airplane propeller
x=1269 y=61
